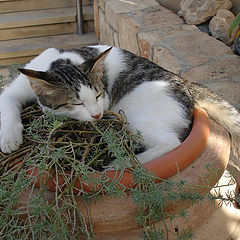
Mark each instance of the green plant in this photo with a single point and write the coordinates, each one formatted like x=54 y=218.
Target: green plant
x=52 y=142
x=233 y=25
x=235 y=36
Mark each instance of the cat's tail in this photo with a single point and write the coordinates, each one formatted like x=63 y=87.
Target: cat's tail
x=218 y=109
x=222 y=112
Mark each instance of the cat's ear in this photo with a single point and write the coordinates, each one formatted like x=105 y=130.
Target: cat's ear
x=39 y=82
x=96 y=65
x=99 y=61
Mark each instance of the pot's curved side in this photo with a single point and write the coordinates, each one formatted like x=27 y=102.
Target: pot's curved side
x=116 y=214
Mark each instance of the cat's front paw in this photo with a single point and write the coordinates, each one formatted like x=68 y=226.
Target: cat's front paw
x=11 y=137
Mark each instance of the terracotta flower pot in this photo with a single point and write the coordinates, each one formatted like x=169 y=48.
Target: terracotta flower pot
x=163 y=167
x=115 y=216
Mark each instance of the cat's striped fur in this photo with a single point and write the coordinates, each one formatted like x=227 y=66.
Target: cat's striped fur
x=155 y=101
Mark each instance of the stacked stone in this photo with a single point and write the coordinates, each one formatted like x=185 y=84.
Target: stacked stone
x=158 y=34
x=197 y=12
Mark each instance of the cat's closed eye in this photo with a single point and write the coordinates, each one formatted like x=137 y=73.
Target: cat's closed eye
x=59 y=106
x=67 y=104
x=101 y=93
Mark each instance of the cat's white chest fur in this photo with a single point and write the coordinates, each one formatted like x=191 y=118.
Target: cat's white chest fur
x=152 y=111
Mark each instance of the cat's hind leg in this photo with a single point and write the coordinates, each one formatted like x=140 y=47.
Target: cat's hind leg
x=157 y=151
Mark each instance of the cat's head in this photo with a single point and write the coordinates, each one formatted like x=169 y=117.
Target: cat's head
x=76 y=91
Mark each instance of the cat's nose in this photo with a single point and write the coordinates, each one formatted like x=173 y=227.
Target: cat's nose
x=98 y=116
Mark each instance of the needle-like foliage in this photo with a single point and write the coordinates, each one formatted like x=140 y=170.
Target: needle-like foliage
x=73 y=151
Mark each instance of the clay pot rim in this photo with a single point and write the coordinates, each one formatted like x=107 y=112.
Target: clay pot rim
x=179 y=158
x=163 y=167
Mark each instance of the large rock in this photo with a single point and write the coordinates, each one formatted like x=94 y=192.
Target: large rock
x=219 y=25
x=199 y=11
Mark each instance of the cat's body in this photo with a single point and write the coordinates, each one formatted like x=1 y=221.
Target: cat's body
x=155 y=101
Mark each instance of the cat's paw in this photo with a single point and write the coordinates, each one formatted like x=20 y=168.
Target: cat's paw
x=11 y=137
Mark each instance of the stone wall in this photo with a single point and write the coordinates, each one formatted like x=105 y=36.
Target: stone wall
x=158 y=34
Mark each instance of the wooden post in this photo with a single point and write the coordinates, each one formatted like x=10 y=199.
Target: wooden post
x=79 y=17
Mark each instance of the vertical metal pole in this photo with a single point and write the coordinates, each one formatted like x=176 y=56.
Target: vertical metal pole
x=79 y=17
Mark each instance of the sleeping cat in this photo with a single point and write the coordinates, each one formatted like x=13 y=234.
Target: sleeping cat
x=83 y=82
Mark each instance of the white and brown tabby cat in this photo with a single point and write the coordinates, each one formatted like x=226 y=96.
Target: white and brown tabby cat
x=83 y=82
